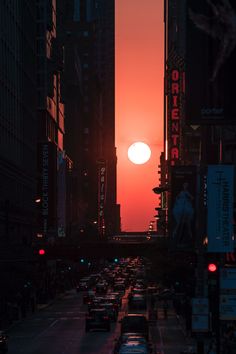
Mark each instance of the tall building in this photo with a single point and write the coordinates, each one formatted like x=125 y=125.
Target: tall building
x=50 y=115
x=88 y=92
x=18 y=121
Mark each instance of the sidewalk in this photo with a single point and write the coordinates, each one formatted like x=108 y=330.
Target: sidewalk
x=169 y=335
x=40 y=307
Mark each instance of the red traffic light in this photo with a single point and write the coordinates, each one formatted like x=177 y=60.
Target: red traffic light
x=212 y=267
x=41 y=252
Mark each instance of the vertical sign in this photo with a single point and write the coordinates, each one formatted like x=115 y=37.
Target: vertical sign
x=61 y=194
x=228 y=294
x=220 y=179
x=48 y=187
x=102 y=176
x=174 y=115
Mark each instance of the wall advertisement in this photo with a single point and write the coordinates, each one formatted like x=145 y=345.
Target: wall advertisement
x=48 y=187
x=220 y=179
x=183 y=200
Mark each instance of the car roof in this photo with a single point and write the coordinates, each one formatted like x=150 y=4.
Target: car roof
x=134 y=315
x=98 y=310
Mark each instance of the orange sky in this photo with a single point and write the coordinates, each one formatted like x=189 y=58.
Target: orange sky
x=139 y=106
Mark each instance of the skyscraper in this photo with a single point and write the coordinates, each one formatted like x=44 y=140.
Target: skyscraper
x=89 y=108
x=18 y=120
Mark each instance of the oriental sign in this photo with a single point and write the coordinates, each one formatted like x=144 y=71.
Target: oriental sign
x=174 y=116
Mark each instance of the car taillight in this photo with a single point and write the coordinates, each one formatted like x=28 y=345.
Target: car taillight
x=106 y=318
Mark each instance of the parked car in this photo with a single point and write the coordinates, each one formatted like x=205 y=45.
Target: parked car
x=97 y=319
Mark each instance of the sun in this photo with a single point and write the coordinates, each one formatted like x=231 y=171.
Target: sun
x=139 y=153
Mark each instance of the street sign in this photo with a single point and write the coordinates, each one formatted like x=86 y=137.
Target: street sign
x=228 y=279
x=200 y=323
x=200 y=315
x=228 y=307
x=200 y=306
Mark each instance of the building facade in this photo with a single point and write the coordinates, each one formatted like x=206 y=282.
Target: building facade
x=50 y=115
x=89 y=109
x=18 y=121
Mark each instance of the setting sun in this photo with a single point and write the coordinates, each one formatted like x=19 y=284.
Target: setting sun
x=139 y=153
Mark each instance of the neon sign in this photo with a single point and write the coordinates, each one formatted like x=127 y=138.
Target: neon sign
x=174 y=117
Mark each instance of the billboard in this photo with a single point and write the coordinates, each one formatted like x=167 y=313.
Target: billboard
x=183 y=199
x=48 y=187
x=210 y=61
x=61 y=194
x=220 y=180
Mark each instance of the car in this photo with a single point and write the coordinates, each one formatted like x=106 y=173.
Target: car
x=127 y=337
x=3 y=342
x=84 y=284
x=133 y=347
x=165 y=294
x=136 y=323
x=111 y=311
x=88 y=296
x=138 y=301
x=101 y=288
x=114 y=300
x=97 y=319
x=117 y=295
x=120 y=288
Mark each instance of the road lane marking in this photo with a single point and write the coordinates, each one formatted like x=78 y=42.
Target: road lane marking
x=46 y=329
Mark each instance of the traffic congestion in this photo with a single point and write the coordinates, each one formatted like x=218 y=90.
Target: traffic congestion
x=117 y=307
x=121 y=293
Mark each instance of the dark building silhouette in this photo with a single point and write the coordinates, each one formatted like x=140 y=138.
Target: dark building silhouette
x=200 y=132
x=88 y=92
x=18 y=121
x=50 y=113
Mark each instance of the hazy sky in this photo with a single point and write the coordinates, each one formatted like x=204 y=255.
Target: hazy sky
x=139 y=106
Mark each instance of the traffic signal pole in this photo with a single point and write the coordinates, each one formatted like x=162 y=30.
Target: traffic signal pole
x=200 y=270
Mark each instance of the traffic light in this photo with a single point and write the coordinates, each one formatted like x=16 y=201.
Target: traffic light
x=212 y=267
x=82 y=260
x=213 y=292
x=41 y=252
x=116 y=260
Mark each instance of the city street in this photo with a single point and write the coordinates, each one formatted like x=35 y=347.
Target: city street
x=60 y=329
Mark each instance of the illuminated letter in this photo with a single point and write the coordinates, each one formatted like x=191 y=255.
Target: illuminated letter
x=175 y=113
x=174 y=88
x=175 y=127
x=174 y=153
x=174 y=138
x=175 y=75
x=175 y=100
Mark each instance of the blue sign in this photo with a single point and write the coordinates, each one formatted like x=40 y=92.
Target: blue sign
x=220 y=179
